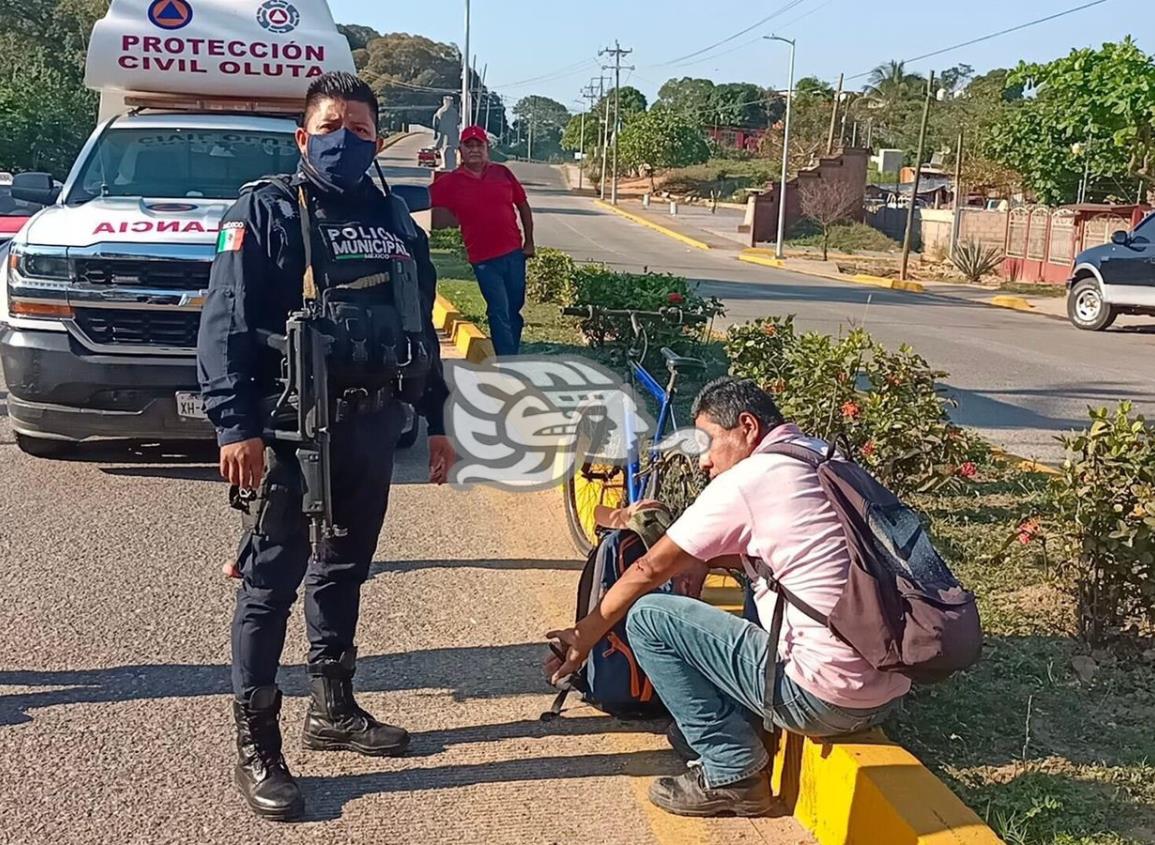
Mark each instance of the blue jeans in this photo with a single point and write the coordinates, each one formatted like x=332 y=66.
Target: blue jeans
x=709 y=669
x=502 y=283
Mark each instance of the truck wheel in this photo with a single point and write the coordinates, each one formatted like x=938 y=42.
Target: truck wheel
x=1086 y=308
x=40 y=447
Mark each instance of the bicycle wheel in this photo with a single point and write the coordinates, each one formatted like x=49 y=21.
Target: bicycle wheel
x=593 y=482
x=677 y=481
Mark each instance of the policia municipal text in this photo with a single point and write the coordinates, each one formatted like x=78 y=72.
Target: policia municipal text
x=328 y=250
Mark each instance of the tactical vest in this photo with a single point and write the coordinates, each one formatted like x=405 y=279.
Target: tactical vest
x=363 y=277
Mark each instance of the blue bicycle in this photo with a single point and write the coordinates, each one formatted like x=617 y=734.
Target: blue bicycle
x=596 y=482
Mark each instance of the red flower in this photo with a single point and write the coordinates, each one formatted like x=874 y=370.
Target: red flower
x=770 y=329
x=1028 y=531
x=778 y=386
x=968 y=470
x=868 y=448
x=851 y=411
x=675 y=298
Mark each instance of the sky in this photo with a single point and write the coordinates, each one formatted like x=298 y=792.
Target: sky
x=530 y=51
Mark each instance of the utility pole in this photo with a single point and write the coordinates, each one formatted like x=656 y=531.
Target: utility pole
x=605 y=137
x=958 y=193
x=529 y=148
x=487 y=99
x=617 y=52
x=909 y=237
x=834 y=117
x=590 y=96
x=480 y=90
x=779 y=251
x=466 y=104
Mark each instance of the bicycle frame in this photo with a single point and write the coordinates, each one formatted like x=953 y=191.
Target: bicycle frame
x=636 y=478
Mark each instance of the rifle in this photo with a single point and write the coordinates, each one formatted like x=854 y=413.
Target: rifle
x=306 y=404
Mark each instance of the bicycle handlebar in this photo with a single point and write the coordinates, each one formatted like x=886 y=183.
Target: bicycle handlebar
x=673 y=315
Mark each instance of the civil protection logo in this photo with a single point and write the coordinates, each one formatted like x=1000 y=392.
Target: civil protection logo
x=170 y=14
x=278 y=16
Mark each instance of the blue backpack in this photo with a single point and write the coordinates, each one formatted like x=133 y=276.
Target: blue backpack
x=612 y=680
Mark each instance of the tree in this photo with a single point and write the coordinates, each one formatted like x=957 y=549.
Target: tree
x=633 y=103
x=809 y=125
x=45 y=110
x=1093 y=110
x=358 y=36
x=829 y=201
x=689 y=97
x=411 y=74
x=659 y=139
x=548 y=119
x=749 y=106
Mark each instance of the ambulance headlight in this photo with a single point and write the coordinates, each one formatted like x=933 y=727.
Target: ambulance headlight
x=40 y=263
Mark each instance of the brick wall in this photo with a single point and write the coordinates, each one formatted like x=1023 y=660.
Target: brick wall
x=849 y=165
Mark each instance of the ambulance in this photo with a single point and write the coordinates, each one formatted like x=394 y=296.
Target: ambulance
x=100 y=294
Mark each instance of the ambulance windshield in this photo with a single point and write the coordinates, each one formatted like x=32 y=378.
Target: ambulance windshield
x=164 y=164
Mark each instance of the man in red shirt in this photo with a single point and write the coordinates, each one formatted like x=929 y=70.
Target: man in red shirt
x=482 y=197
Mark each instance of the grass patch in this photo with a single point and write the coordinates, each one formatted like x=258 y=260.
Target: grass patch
x=1027 y=289
x=545 y=327
x=1080 y=770
x=844 y=237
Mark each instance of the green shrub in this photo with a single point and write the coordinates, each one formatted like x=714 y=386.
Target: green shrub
x=1101 y=511
x=885 y=405
x=599 y=285
x=844 y=237
x=549 y=277
x=974 y=260
x=446 y=239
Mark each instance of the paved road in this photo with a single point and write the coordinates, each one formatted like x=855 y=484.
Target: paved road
x=1020 y=378
x=115 y=722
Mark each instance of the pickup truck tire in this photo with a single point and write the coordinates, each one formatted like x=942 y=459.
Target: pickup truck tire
x=40 y=447
x=1086 y=308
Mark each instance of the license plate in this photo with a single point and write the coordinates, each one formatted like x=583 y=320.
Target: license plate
x=189 y=406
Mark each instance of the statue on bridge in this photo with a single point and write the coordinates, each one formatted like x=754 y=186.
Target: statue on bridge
x=446 y=132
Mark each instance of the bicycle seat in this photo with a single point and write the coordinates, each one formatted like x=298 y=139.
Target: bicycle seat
x=676 y=362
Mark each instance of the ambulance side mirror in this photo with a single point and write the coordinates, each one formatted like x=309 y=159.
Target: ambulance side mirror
x=35 y=187
x=415 y=196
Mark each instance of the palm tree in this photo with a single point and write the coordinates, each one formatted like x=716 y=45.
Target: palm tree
x=890 y=83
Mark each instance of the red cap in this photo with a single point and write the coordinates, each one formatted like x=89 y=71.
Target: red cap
x=474 y=133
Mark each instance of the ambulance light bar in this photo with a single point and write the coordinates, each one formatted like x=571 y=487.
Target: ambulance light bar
x=195 y=103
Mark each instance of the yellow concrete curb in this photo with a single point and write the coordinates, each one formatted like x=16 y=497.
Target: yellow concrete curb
x=1015 y=302
x=641 y=221
x=393 y=139
x=445 y=315
x=755 y=255
x=1025 y=464
x=754 y=258
x=471 y=342
x=865 y=790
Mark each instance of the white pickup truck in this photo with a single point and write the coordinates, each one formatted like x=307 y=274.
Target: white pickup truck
x=100 y=296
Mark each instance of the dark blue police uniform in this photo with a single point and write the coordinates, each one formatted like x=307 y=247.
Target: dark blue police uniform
x=256 y=282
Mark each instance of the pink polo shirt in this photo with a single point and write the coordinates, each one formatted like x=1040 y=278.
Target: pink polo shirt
x=771 y=509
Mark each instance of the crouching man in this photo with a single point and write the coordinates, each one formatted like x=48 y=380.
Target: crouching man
x=711 y=668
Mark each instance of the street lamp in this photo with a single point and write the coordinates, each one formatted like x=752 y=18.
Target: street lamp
x=466 y=98
x=779 y=253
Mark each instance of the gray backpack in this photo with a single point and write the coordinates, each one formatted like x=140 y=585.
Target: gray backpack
x=902 y=609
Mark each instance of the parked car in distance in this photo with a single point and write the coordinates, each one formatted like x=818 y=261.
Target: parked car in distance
x=428 y=157
x=1113 y=279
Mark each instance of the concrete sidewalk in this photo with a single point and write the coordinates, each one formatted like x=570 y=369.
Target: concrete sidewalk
x=115 y=722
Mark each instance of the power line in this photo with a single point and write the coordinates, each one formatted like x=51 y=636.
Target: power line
x=786 y=8
x=989 y=36
x=560 y=73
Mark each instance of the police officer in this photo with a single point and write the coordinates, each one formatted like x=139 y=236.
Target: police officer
x=355 y=233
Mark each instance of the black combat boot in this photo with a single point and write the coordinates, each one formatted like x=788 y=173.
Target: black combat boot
x=335 y=722
x=261 y=774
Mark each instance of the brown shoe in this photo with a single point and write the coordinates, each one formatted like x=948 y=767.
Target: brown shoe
x=688 y=795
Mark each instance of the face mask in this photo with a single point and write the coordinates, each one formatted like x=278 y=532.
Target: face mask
x=338 y=160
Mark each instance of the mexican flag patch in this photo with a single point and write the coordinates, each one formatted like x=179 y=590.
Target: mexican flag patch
x=231 y=238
